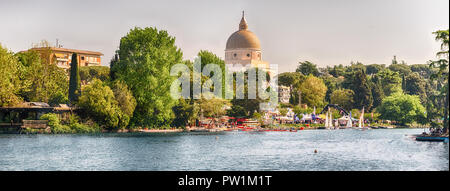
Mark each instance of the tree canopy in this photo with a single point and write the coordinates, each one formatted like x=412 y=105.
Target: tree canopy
x=403 y=108
x=343 y=98
x=10 y=81
x=313 y=91
x=307 y=68
x=146 y=56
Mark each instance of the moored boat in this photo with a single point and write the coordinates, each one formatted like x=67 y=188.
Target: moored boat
x=432 y=139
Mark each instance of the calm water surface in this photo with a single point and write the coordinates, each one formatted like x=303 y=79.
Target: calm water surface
x=387 y=149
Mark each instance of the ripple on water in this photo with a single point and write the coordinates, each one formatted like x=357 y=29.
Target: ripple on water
x=387 y=149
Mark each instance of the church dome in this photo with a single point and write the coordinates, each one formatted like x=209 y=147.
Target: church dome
x=243 y=38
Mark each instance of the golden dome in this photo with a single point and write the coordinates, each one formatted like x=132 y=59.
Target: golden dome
x=243 y=38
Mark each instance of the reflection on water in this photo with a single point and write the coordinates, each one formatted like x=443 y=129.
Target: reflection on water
x=386 y=149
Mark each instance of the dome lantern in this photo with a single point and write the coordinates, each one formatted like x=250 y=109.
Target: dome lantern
x=243 y=24
x=243 y=38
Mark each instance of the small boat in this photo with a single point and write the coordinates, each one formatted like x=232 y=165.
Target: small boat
x=432 y=139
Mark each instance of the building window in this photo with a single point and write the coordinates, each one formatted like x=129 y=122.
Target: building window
x=234 y=54
x=248 y=55
x=82 y=58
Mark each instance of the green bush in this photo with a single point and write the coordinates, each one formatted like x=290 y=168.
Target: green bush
x=72 y=127
x=55 y=124
x=98 y=101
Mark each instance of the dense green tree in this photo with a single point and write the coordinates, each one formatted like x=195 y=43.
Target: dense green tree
x=290 y=78
x=377 y=91
x=124 y=97
x=337 y=71
x=401 y=67
x=441 y=76
x=283 y=111
x=343 y=98
x=390 y=81
x=374 y=68
x=415 y=85
x=185 y=113
x=313 y=91
x=307 y=68
x=237 y=111
x=363 y=93
x=74 y=81
x=423 y=70
x=41 y=81
x=88 y=73
x=145 y=59
x=332 y=84
x=98 y=102
x=214 y=107
x=402 y=108
x=9 y=80
x=250 y=105
x=112 y=69
x=207 y=57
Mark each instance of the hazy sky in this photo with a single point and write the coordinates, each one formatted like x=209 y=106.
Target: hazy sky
x=326 y=32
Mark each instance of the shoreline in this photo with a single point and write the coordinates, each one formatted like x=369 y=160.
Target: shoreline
x=197 y=129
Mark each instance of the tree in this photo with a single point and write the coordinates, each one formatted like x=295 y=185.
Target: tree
x=313 y=91
x=250 y=105
x=98 y=102
x=307 y=68
x=390 y=81
x=402 y=108
x=415 y=85
x=290 y=78
x=42 y=81
x=337 y=71
x=343 y=98
x=9 y=80
x=401 y=67
x=88 y=73
x=208 y=57
x=332 y=84
x=377 y=91
x=374 y=68
x=361 y=87
x=74 y=81
x=185 y=113
x=237 y=111
x=423 y=70
x=283 y=111
x=145 y=59
x=442 y=75
x=124 y=97
x=214 y=107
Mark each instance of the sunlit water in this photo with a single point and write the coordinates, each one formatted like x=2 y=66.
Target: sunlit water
x=387 y=149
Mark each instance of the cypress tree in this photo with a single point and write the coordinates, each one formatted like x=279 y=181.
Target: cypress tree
x=363 y=93
x=377 y=91
x=74 y=82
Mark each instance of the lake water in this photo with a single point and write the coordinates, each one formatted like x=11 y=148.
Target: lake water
x=383 y=149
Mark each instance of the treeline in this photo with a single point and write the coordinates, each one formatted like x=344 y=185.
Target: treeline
x=399 y=92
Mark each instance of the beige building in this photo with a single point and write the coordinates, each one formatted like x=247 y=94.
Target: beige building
x=244 y=48
x=63 y=56
x=284 y=94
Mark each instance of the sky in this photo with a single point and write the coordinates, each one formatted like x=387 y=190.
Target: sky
x=325 y=32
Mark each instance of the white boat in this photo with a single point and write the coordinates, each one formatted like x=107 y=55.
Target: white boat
x=361 y=121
